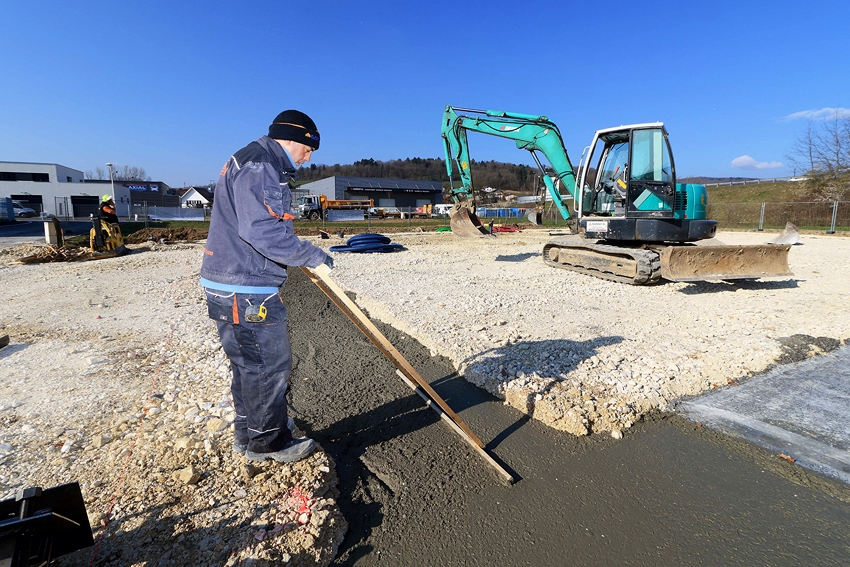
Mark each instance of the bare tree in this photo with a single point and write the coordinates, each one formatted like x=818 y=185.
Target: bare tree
x=124 y=173
x=98 y=174
x=822 y=154
x=128 y=173
x=824 y=148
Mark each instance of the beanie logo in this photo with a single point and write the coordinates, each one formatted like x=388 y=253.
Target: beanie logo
x=311 y=136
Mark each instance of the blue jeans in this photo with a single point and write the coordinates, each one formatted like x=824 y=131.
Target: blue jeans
x=261 y=361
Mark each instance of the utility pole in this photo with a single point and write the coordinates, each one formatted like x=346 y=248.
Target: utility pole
x=112 y=182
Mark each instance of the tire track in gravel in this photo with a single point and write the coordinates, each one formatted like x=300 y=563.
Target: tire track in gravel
x=669 y=493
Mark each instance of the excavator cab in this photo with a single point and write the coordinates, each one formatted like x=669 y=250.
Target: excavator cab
x=633 y=174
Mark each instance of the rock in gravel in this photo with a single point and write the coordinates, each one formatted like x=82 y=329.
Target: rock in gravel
x=99 y=441
x=188 y=475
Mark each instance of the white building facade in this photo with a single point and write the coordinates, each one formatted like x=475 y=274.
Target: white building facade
x=53 y=189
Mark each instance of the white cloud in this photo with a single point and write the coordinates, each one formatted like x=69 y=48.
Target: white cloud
x=746 y=162
x=821 y=114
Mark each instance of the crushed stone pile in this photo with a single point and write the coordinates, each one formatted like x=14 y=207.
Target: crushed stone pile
x=585 y=355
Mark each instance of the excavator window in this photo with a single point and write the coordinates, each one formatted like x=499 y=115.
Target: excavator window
x=608 y=194
x=650 y=156
x=615 y=165
x=652 y=182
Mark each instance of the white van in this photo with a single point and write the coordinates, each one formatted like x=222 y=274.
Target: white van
x=441 y=210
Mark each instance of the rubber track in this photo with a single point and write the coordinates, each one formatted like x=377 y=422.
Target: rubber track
x=648 y=262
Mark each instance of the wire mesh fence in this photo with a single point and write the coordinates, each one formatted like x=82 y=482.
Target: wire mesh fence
x=827 y=216
x=156 y=213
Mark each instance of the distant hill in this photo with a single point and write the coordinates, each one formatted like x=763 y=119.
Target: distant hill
x=781 y=192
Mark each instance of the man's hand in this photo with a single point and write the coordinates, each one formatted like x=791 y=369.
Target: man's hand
x=329 y=261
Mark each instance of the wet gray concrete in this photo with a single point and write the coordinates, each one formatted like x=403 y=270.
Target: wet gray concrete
x=670 y=493
x=801 y=410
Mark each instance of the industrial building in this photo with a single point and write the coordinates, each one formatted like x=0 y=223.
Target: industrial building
x=54 y=189
x=401 y=193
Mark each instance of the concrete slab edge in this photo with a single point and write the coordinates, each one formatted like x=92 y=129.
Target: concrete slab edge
x=810 y=453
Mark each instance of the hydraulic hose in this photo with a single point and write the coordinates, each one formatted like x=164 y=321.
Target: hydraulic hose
x=366 y=243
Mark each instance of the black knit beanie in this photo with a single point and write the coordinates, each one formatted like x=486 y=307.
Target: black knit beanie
x=296 y=126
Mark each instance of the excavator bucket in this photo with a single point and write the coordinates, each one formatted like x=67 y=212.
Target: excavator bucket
x=535 y=217
x=465 y=223
x=695 y=263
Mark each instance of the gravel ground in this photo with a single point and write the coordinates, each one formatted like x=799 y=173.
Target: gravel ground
x=586 y=355
x=115 y=378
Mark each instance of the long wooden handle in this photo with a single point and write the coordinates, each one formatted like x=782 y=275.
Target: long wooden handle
x=321 y=277
x=481 y=451
x=337 y=295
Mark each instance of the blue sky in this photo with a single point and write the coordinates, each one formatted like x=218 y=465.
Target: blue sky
x=177 y=87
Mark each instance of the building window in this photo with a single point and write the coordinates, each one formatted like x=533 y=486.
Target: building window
x=23 y=176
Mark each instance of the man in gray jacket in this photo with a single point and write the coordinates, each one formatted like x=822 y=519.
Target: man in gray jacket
x=250 y=244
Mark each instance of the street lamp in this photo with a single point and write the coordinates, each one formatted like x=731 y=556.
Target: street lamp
x=112 y=182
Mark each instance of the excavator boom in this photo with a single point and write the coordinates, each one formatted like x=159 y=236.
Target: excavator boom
x=530 y=132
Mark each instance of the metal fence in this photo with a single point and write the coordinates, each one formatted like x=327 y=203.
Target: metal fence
x=155 y=213
x=829 y=217
x=753 y=181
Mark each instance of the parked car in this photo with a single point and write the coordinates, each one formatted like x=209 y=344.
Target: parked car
x=22 y=211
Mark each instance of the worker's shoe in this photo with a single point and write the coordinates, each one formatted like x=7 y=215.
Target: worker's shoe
x=241 y=448
x=293 y=451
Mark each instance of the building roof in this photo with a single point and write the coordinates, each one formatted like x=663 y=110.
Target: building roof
x=36 y=163
x=202 y=192
x=205 y=193
x=381 y=183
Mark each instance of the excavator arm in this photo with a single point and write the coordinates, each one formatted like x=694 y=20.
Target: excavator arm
x=532 y=133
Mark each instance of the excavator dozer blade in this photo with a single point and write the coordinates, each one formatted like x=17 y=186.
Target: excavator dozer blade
x=696 y=263
x=465 y=223
x=535 y=217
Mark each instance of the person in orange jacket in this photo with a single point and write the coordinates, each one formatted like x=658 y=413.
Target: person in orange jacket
x=107 y=210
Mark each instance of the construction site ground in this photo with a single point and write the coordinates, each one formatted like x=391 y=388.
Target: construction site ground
x=114 y=378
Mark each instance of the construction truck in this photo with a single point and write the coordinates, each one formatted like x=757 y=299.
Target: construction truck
x=633 y=223
x=315 y=207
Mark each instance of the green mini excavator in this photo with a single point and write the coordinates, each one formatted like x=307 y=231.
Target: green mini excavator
x=633 y=223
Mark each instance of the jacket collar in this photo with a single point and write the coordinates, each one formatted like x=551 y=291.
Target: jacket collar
x=283 y=162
